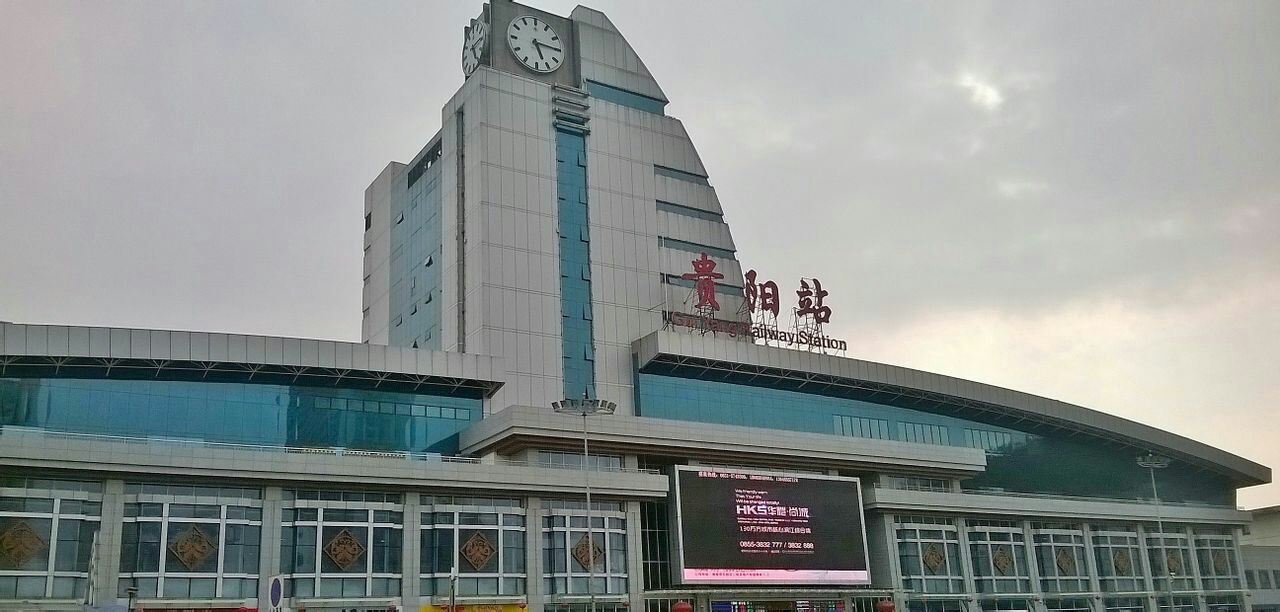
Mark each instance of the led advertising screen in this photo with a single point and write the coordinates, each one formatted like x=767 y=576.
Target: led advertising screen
x=753 y=527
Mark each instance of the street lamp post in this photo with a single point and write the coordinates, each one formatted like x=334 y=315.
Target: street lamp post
x=1154 y=462
x=587 y=407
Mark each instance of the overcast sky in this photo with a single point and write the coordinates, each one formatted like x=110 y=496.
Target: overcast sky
x=1079 y=200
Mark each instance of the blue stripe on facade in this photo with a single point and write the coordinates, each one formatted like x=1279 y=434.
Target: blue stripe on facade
x=631 y=99
x=575 y=265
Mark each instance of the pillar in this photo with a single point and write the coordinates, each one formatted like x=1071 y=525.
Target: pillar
x=635 y=557
x=269 y=562
x=106 y=571
x=411 y=551
x=534 y=594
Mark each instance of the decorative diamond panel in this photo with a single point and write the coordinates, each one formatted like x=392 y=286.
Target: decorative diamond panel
x=19 y=543
x=587 y=552
x=1066 y=562
x=933 y=558
x=192 y=547
x=1002 y=560
x=1220 y=565
x=344 y=549
x=1121 y=562
x=477 y=551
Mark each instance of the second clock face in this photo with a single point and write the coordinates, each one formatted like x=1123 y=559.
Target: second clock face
x=535 y=44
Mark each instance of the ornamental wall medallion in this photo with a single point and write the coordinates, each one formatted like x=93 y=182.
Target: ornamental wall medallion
x=192 y=547
x=1220 y=565
x=344 y=549
x=477 y=551
x=1121 y=562
x=1002 y=560
x=19 y=543
x=1066 y=562
x=1173 y=561
x=588 y=552
x=933 y=558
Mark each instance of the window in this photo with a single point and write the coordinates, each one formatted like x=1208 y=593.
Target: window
x=861 y=427
x=999 y=555
x=1060 y=554
x=929 y=554
x=567 y=549
x=922 y=433
x=176 y=549
x=560 y=459
x=65 y=526
x=1116 y=553
x=483 y=538
x=368 y=221
x=655 y=545
x=1170 y=559
x=368 y=541
x=1215 y=550
x=915 y=483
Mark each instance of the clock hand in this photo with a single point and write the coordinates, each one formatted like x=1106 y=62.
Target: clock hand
x=538 y=48
x=542 y=44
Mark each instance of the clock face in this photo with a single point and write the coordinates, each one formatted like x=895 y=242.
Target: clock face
x=473 y=47
x=535 y=44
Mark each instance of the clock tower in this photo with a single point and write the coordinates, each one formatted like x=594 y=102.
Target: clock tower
x=552 y=218
x=522 y=40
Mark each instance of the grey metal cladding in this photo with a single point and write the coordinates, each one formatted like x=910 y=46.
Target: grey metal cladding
x=1041 y=409
x=160 y=349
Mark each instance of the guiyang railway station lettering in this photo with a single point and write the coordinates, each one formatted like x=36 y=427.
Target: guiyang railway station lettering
x=761 y=308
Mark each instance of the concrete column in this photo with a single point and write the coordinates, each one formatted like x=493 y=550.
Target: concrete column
x=1246 y=597
x=536 y=597
x=106 y=573
x=269 y=562
x=1148 y=573
x=1091 y=564
x=411 y=555
x=895 y=564
x=635 y=557
x=966 y=563
x=1201 y=605
x=1033 y=569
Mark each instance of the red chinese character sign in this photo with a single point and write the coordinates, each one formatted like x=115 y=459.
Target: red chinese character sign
x=757 y=318
x=704 y=277
x=811 y=302
x=762 y=297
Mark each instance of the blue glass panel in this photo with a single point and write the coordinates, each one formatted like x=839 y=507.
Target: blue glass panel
x=1016 y=460
x=239 y=413
x=617 y=95
x=415 y=241
x=575 y=264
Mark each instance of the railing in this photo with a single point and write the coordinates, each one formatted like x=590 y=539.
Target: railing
x=1055 y=496
x=11 y=430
